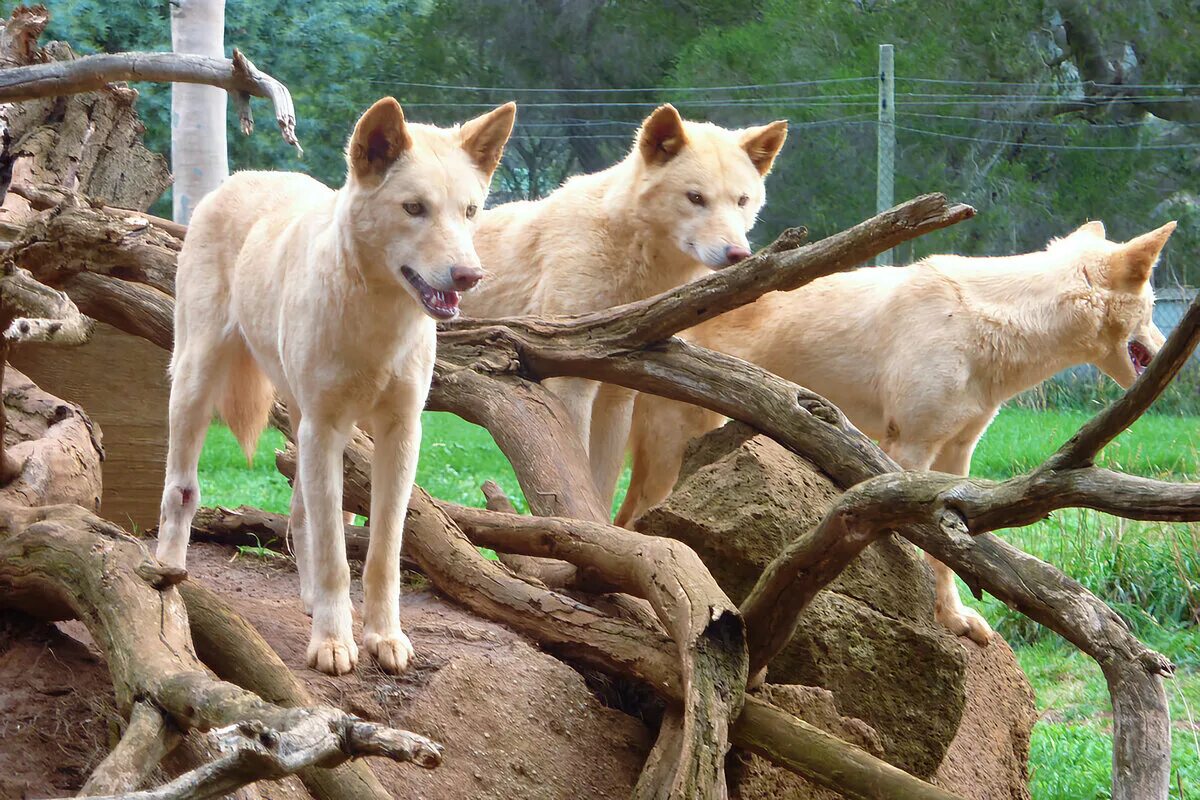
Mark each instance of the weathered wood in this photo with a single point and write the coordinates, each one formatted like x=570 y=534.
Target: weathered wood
x=771 y=733
x=90 y=73
x=54 y=446
x=692 y=608
x=147 y=740
x=59 y=562
x=33 y=312
x=245 y=526
x=237 y=653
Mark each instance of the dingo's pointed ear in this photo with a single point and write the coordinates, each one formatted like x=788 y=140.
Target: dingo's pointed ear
x=1091 y=228
x=1135 y=260
x=485 y=136
x=661 y=136
x=380 y=137
x=763 y=143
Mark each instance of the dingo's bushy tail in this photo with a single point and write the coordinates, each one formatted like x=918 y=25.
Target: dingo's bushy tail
x=245 y=400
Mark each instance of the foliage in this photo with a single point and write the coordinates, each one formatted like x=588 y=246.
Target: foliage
x=1018 y=94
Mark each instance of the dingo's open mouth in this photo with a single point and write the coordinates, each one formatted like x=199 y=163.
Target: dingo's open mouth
x=1139 y=356
x=438 y=304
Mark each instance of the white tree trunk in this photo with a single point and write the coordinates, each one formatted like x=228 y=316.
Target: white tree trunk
x=198 y=156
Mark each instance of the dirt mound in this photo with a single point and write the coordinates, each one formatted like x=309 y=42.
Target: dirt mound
x=56 y=710
x=515 y=722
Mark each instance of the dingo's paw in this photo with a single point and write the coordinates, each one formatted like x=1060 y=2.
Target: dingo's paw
x=967 y=622
x=393 y=652
x=332 y=656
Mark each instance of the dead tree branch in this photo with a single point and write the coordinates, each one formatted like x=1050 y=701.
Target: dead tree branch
x=39 y=313
x=61 y=562
x=237 y=653
x=46 y=196
x=257 y=752
x=90 y=73
x=773 y=734
x=626 y=346
x=701 y=620
x=146 y=742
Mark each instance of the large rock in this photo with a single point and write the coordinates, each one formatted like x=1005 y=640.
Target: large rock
x=870 y=637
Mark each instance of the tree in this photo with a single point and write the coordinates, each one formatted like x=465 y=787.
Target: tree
x=199 y=159
x=690 y=645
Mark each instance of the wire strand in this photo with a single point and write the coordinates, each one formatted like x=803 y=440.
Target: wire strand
x=1045 y=146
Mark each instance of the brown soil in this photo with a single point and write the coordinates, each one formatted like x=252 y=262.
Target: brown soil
x=515 y=722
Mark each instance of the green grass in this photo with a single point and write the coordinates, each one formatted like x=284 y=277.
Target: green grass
x=1149 y=572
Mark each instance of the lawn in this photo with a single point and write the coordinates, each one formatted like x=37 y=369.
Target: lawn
x=1149 y=572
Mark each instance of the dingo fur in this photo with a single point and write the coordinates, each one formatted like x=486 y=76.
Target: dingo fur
x=921 y=357
x=331 y=297
x=680 y=204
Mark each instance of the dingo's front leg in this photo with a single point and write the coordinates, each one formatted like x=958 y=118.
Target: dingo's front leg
x=331 y=649
x=397 y=433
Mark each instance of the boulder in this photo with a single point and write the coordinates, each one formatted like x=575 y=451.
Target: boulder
x=870 y=637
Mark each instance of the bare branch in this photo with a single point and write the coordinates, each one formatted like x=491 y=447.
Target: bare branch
x=46 y=315
x=772 y=733
x=258 y=752
x=147 y=740
x=90 y=73
x=45 y=196
x=144 y=634
x=783 y=266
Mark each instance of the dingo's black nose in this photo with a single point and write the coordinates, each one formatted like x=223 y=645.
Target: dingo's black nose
x=465 y=277
x=734 y=254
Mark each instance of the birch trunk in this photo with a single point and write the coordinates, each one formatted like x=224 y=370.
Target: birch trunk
x=198 y=154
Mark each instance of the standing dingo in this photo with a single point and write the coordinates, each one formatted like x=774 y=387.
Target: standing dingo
x=921 y=357
x=331 y=297
x=680 y=204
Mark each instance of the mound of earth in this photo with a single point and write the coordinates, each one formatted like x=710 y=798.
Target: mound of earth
x=514 y=721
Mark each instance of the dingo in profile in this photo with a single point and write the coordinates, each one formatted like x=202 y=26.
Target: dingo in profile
x=330 y=296
x=921 y=357
x=677 y=206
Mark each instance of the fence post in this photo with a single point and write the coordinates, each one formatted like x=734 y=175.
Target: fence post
x=886 y=136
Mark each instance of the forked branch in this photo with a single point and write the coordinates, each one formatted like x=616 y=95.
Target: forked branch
x=90 y=73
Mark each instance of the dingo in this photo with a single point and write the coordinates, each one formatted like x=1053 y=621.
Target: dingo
x=678 y=205
x=331 y=297
x=921 y=357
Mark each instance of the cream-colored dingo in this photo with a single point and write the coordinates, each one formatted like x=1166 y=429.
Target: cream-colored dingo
x=330 y=296
x=680 y=204
x=921 y=357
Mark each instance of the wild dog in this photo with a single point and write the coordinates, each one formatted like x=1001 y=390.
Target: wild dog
x=331 y=297
x=921 y=357
x=680 y=204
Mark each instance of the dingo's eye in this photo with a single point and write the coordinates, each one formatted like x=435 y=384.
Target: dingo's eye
x=414 y=209
x=743 y=200
x=471 y=209
x=696 y=198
